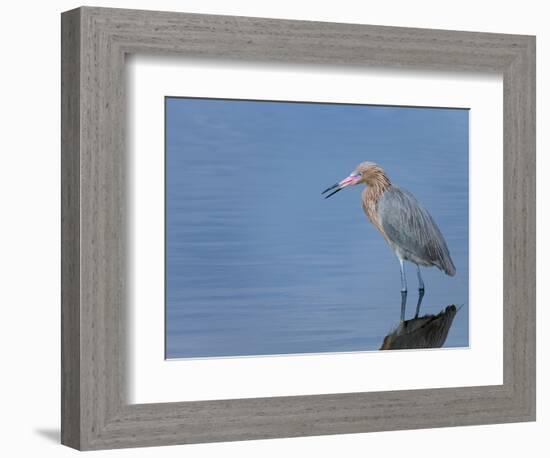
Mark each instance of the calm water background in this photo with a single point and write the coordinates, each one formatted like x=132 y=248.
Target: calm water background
x=258 y=263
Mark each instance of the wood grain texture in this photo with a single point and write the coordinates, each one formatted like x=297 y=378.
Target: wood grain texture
x=96 y=414
x=70 y=229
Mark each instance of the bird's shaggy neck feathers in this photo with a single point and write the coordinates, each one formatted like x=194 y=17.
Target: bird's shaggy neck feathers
x=377 y=182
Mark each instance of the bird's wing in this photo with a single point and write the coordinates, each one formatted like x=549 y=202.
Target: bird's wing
x=408 y=225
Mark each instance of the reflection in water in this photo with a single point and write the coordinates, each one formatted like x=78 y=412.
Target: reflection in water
x=428 y=331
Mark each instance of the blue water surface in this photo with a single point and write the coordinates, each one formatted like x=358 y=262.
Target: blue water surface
x=257 y=263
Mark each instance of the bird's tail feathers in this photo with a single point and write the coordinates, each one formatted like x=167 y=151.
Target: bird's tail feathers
x=448 y=267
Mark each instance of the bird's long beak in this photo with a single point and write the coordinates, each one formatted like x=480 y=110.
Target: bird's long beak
x=352 y=179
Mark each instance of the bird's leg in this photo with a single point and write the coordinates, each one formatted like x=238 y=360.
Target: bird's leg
x=420 y=290
x=403 y=290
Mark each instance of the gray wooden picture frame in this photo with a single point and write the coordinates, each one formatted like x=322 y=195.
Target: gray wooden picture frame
x=95 y=412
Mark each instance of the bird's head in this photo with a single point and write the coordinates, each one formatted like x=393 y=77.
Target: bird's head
x=366 y=172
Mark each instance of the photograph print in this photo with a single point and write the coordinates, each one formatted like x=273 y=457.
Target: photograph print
x=298 y=228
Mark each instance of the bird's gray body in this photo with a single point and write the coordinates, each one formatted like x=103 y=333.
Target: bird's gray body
x=411 y=231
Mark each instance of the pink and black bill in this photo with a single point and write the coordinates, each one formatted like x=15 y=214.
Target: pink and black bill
x=348 y=181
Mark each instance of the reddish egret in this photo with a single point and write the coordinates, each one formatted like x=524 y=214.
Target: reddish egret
x=406 y=225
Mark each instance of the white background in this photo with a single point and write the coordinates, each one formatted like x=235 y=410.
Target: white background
x=153 y=379
x=29 y=270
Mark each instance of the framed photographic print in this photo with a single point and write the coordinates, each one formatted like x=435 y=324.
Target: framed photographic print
x=279 y=228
